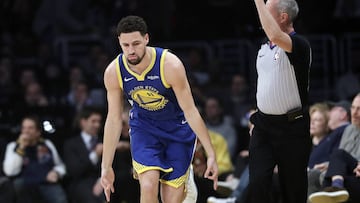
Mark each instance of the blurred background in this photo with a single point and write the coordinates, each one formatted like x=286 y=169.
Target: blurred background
x=53 y=53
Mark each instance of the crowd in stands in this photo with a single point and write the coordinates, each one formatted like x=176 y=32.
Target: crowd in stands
x=51 y=112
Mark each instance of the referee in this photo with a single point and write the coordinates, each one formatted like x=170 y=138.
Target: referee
x=281 y=134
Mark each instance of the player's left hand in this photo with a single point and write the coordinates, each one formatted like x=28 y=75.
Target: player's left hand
x=212 y=171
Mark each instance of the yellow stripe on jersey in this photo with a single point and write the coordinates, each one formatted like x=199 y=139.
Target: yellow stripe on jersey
x=139 y=168
x=118 y=72
x=141 y=77
x=176 y=182
x=162 y=73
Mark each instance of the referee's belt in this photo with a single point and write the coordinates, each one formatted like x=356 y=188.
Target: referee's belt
x=290 y=116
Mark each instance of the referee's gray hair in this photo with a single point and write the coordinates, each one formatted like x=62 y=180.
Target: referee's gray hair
x=290 y=7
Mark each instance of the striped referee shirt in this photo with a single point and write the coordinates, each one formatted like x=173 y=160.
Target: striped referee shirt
x=283 y=78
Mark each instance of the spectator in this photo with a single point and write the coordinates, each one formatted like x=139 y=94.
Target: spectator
x=76 y=75
x=34 y=96
x=82 y=155
x=27 y=76
x=205 y=186
x=237 y=104
x=198 y=67
x=35 y=165
x=319 y=117
x=216 y=121
x=78 y=97
x=6 y=82
x=7 y=193
x=347 y=9
x=339 y=118
x=343 y=164
x=69 y=17
x=239 y=100
x=236 y=184
x=54 y=88
x=198 y=91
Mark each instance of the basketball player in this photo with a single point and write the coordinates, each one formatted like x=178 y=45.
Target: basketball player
x=164 y=120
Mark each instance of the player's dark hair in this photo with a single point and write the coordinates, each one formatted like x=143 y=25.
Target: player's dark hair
x=130 y=24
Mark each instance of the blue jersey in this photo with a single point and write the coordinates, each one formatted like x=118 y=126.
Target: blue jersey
x=148 y=93
x=160 y=137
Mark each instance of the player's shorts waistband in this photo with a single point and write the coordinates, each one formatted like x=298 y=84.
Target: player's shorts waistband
x=156 y=116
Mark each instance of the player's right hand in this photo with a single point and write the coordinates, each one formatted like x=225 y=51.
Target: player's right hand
x=212 y=171
x=107 y=182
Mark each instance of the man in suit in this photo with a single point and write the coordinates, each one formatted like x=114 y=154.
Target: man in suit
x=82 y=156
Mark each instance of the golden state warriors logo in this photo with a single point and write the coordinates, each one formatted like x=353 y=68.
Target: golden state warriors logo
x=149 y=98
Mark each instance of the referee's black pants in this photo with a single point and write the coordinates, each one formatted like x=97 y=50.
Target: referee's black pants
x=277 y=141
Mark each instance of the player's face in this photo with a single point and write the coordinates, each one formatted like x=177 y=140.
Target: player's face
x=133 y=46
